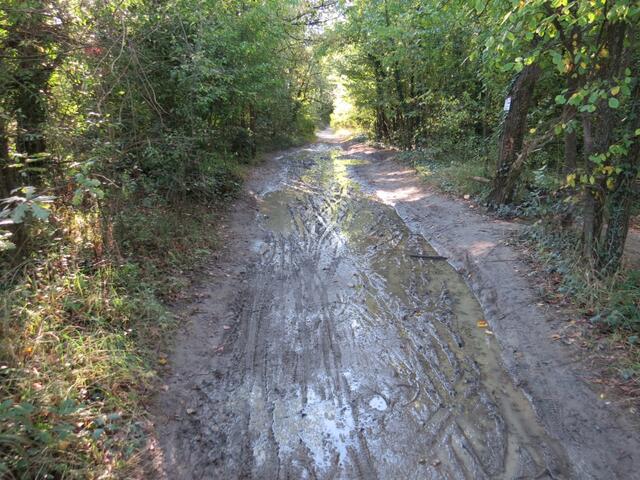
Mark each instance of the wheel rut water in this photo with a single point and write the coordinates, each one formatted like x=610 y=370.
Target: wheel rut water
x=352 y=356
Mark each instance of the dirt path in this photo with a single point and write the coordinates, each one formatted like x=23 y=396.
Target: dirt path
x=328 y=343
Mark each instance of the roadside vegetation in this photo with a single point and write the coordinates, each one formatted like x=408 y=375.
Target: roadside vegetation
x=530 y=108
x=124 y=127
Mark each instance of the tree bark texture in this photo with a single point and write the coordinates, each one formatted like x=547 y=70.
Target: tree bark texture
x=512 y=137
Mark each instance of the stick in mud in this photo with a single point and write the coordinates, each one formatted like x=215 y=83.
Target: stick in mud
x=427 y=257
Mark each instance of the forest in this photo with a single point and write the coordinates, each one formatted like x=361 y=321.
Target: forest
x=127 y=128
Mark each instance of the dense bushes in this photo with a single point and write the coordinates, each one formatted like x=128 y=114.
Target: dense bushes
x=122 y=125
x=150 y=97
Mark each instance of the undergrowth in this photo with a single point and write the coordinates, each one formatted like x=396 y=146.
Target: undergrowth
x=609 y=304
x=459 y=169
x=80 y=333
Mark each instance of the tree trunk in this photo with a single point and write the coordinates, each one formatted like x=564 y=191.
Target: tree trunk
x=30 y=104
x=512 y=136
x=570 y=147
x=381 y=127
x=401 y=127
x=7 y=175
x=620 y=204
x=8 y=182
x=571 y=135
x=597 y=134
x=571 y=44
x=622 y=199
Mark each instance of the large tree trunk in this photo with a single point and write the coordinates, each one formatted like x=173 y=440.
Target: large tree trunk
x=597 y=134
x=620 y=204
x=381 y=126
x=512 y=137
x=571 y=135
x=571 y=44
x=30 y=104
x=7 y=175
x=596 y=139
x=621 y=200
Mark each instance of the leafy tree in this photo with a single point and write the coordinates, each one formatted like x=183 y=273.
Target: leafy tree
x=433 y=73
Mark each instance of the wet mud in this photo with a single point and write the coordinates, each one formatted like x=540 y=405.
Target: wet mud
x=349 y=353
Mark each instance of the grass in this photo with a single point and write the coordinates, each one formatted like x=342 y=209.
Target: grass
x=80 y=335
x=607 y=308
x=453 y=168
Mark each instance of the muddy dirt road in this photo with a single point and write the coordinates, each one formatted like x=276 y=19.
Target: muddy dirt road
x=331 y=342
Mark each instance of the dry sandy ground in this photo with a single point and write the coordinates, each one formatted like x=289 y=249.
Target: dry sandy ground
x=327 y=342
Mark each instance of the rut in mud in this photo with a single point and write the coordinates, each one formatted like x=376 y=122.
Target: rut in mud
x=349 y=355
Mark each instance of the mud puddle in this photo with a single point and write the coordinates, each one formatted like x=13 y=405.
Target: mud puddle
x=353 y=355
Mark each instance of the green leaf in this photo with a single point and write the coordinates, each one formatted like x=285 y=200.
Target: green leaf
x=614 y=102
x=39 y=212
x=611 y=183
x=19 y=213
x=78 y=196
x=560 y=100
x=67 y=407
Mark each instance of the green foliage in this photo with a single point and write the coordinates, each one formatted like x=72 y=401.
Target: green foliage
x=610 y=302
x=426 y=74
x=405 y=66
x=454 y=167
x=623 y=309
x=123 y=126
x=80 y=332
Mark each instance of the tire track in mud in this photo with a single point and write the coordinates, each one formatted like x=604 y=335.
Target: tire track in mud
x=351 y=359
